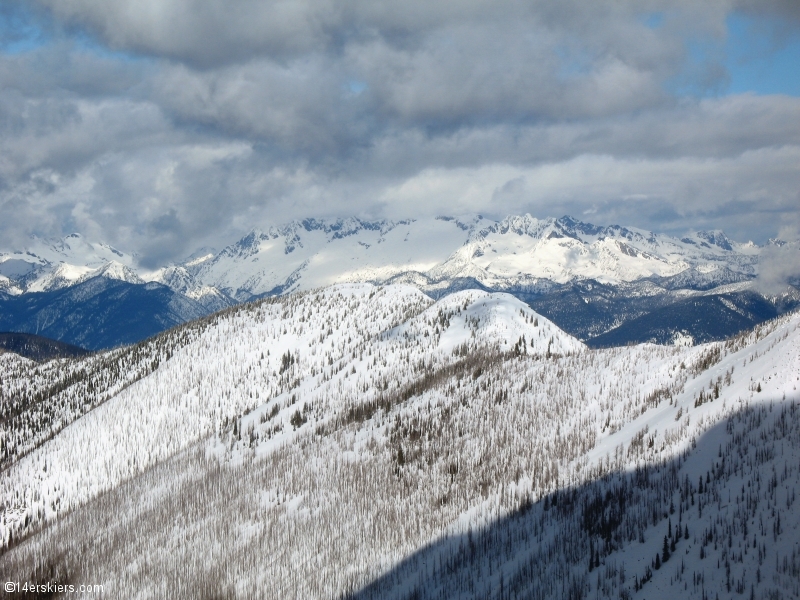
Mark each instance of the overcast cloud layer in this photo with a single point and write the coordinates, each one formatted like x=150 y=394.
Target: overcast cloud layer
x=164 y=125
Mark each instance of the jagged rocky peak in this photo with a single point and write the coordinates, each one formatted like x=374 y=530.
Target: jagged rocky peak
x=357 y=249
x=339 y=227
x=76 y=246
x=521 y=225
x=63 y=275
x=247 y=246
x=67 y=242
x=717 y=238
x=568 y=224
x=342 y=227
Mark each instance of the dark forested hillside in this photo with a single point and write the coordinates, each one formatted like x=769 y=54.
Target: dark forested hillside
x=37 y=347
x=98 y=313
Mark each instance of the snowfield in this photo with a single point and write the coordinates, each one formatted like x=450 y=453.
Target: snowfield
x=366 y=441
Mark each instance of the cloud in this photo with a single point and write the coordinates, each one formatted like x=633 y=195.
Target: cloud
x=214 y=32
x=166 y=125
x=128 y=173
x=673 y=194
x=779 y=266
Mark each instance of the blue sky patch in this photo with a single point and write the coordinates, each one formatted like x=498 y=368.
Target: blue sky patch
x=761 y=58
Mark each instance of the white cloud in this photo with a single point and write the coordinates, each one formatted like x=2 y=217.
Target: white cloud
x=779 y=266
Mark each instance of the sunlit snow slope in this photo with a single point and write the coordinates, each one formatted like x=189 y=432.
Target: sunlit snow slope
x=369 y=441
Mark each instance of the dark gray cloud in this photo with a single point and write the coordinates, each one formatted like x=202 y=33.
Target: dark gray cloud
x=213 y=32
x=164 y=125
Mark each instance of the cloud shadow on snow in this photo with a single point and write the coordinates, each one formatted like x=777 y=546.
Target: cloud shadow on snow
x=544 y=549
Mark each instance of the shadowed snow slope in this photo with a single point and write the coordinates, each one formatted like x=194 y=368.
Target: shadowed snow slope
x=367 y=440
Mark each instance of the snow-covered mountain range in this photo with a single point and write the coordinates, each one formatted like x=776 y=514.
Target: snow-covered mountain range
x=515 y=253
x=522 y=255
x=371 y=442
x=48 y=266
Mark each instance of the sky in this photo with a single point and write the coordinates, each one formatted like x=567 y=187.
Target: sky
x=162 y=126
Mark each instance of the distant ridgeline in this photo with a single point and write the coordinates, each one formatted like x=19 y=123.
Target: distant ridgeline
x=38 y=348
x=99 y=313
x=607 y=286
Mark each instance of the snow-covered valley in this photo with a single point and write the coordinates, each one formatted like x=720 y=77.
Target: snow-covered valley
x=369 y=441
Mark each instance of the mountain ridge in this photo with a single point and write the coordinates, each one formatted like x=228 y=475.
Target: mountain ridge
x=537 y=260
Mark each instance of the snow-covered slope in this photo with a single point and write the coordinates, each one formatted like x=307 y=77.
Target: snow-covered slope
x=369 y=440
x=317 y=332
x=310 y=253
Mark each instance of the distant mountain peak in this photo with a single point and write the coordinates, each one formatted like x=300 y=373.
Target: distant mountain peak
x=716 y=237
x=115 y=270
